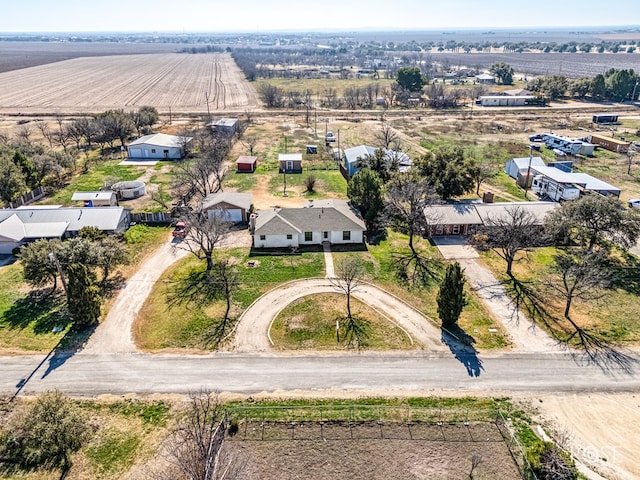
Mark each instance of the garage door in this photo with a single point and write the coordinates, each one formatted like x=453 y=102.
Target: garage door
x=135 y=152
x=230 y=214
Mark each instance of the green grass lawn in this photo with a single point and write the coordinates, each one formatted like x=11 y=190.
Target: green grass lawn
x=614 y=317
x=381 y=263
x=329 y=183
x=162 y=325
x=94 y=179
x=309 y=323
x=26 y=321
x=241 y=182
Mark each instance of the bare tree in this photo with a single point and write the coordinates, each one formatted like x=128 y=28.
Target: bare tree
x=195 y=447
x=350 y=271
x=510 y=233
x=61 y=134
x=582 y=275
x=250 y=142
x=387 y=135
x=45 y=131
x=630 y=155
x=204 y=233
x=24 y=134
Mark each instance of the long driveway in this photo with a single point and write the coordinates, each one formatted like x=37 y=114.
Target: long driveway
x=253 y=326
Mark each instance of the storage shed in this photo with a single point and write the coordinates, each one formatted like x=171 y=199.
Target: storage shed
x=290 y=162
x=105 y=198
x=246 y=164
x=517 y=166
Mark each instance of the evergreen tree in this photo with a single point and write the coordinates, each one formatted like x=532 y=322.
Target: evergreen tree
x=365 y=191
x=83 y=295
x=451 y=297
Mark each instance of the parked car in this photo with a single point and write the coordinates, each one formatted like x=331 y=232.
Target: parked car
x=559 y=152
x=634 y=203
x=330 y=137
x=536 y=137
x=535 y=147
x=180 y=230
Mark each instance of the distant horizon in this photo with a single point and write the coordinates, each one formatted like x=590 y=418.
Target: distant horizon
x=449 y=29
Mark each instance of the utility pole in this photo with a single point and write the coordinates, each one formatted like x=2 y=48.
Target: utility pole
x=526 y=180
x=54 y=259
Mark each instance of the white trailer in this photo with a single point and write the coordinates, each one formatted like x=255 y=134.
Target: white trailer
x=545 y=187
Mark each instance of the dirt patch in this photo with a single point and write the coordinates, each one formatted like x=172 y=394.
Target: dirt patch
x=602 y=430
x=368 y=450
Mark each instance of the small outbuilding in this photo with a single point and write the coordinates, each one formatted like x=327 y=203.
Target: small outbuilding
x=225 y=126
x=610 y=143
x=485 y=79
x=290 y=162
x=232 y=206
x=246 y=164
x=506 y=100
x=517 y=166
x=104 y=198
x=158 y=146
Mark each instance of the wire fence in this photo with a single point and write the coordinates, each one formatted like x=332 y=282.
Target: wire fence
x=376 y=422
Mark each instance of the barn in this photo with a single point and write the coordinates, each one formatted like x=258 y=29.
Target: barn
x=158 y=146
x=246 y=164
x=232 y=206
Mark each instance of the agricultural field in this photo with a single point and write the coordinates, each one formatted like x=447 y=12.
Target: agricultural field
x=176 y=82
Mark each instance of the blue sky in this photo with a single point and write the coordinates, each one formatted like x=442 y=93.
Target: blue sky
x=265 y=15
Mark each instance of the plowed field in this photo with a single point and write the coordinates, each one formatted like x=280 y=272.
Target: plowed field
x=180 y=82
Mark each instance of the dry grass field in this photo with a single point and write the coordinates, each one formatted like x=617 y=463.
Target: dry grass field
x=180 y=82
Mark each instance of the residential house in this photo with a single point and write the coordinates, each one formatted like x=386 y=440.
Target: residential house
x=353 y=158
x=23 y=225
x=103 y=198
x=246 y=164
x=233 y=206
x=290 y=162
x=485 y=79
x=332 y=221
x=158 y=146
x=466 y=218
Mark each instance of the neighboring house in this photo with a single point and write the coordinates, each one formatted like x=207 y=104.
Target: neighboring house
x=235 y=207
x=246 y=164
x=225 y=126
x=290 y=162
x=505 y=100
x=101 y=198
x=558 y=185
x=517 y=92
x=331 y=221
x=465 y=218
x=158 y=146
x=485 y=79
x=23 y=225
x=519 y=166
x=353 y=158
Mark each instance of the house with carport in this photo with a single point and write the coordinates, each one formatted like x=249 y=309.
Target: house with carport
x=330 y=221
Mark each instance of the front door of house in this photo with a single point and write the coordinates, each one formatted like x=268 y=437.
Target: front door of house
x=289 y=165
x=325 y=235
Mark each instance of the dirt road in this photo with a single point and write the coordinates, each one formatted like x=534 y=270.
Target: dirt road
x=253 y=326
x=113 y=335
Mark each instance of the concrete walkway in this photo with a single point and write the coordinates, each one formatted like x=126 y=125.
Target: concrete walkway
x=328 y=261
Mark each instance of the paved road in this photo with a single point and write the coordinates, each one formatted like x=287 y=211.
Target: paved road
x=391 y=373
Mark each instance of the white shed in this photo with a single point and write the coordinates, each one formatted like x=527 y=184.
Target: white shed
x=516 y=166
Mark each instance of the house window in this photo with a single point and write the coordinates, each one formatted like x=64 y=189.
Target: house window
x=153 y=150
x=289 y=236
x=346 y=235
x=456 y=229
x=263 y=237
x=308 y=236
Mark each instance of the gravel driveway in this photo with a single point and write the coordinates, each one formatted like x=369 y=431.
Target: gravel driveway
x=253 y=326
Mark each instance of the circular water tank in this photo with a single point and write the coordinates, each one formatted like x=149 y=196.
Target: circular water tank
x=129 y=190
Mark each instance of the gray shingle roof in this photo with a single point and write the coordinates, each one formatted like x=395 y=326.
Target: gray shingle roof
x=242 y=200
x=479 y=213
x=104 y=218
x=332 y=215
x=160 y=140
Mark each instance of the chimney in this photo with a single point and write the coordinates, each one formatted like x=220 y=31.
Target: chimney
x=252 y=223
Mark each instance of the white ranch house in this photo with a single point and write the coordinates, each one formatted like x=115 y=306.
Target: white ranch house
x=331 y=221
x=158 y=146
